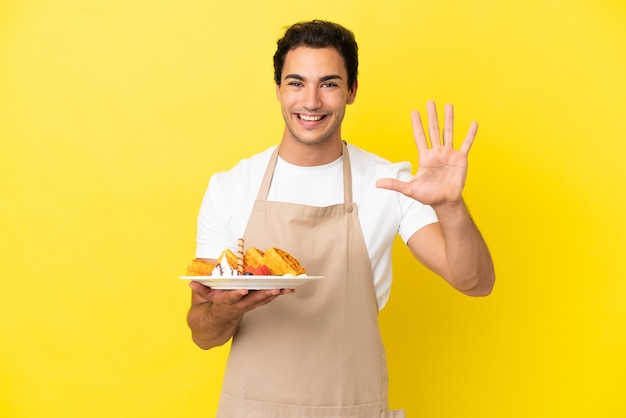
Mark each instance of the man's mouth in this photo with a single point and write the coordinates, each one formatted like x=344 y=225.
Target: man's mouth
x=310 y=118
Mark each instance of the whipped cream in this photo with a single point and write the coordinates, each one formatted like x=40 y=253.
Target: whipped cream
x=224 y=269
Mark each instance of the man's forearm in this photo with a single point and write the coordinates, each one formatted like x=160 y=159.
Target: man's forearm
x=469 y=261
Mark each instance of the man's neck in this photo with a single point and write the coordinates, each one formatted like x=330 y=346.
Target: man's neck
x=297 y=153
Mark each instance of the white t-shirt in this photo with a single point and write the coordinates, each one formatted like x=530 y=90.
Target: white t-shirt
x=228 y=202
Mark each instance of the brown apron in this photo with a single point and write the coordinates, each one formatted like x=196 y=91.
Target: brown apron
x=317 y=352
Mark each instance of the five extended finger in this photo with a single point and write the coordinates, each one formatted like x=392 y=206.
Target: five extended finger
x=418 y=131
x=448 y=125
x=469 y=138
x=433 y=124
x=395 y=185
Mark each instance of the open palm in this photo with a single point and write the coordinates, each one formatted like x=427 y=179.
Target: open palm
x=442 y=170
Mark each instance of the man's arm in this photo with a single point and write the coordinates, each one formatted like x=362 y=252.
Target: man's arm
x=453 y=247
x=215 y=314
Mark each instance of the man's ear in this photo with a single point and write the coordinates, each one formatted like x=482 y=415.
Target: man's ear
x=352 y=93
x=278 y=92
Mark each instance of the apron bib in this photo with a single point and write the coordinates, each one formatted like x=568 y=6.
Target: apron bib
x=317 y=352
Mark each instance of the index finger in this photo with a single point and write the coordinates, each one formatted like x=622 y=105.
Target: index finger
x=418 y=131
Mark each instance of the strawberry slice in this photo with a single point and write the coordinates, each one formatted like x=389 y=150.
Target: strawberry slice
x=261 y=271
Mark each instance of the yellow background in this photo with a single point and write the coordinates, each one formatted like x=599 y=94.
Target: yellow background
x=113 y=115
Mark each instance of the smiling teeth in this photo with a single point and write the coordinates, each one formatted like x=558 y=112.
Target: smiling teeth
x=310 y=118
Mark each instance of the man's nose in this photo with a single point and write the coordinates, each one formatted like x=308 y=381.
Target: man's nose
x=312 y=99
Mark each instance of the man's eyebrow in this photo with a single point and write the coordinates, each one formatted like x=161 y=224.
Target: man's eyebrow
x=294 y=76
x=331 y=77
x=322 y=79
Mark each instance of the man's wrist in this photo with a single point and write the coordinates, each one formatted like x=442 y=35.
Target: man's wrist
x=450 y=208
x=452 y=214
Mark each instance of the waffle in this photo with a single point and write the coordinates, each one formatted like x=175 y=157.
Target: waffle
x=231 y=257
x=280 y=262
x=253 y=257
x=198 y=267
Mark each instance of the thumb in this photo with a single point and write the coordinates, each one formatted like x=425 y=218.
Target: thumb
x=392 y=184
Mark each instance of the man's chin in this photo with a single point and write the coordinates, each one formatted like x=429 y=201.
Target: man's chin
x=311 y=140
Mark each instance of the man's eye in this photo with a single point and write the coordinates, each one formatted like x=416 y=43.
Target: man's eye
x=329 y=85
x=295 y=83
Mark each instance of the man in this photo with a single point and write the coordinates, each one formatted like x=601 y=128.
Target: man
x=318 y=352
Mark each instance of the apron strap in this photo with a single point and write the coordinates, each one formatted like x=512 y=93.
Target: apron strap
x=347 y=177
x=267 y=177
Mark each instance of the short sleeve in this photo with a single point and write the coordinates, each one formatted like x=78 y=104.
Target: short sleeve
x=213 y=234
x=415 y=215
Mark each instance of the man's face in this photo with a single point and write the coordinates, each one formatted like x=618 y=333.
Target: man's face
x=313 y=94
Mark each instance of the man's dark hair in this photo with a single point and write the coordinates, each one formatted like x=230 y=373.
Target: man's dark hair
x=318 y=34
